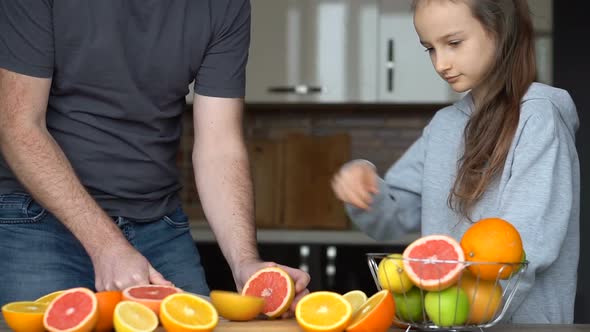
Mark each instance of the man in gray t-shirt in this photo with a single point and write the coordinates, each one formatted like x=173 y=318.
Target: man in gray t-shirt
x=91 y=99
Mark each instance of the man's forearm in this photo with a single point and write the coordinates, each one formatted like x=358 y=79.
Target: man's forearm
x=41 y=166
x=225 y=190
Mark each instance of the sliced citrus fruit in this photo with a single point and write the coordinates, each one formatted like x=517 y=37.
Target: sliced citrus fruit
x=49 y=297
x=149 y=295
x=323 y=311
x=392 y=276
x=275 y=286
x=107 y=301
x=24 y=316
x=75 y=309
x=235 y=306
x=187 y=312
x=376 y=315
x=132 y=316
x=495 y=247
x=422 y=262
x=356 y=298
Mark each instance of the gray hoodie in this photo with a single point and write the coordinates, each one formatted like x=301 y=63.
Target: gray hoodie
x=538 y=191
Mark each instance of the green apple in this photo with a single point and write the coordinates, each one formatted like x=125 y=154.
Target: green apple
x=449 y=307
x=408 y=305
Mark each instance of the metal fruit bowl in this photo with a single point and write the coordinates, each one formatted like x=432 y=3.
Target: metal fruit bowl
x=492 y=308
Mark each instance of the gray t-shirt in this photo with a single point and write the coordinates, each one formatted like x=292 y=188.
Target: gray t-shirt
x=121 y=70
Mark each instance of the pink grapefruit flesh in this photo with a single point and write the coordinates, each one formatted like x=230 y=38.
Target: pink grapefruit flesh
x=275 y=286
x=74 y=310
x=151 y=292
x=149 y=295
x=421 y=262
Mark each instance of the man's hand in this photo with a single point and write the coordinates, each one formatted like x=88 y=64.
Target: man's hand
x=118 y=267
x=42 y=167
x=355 y=183
x=300 y=278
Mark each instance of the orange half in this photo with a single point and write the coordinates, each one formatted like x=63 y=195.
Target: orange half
x=24 y=316
x=376 y=315
x=323 y=311
x=187 y=312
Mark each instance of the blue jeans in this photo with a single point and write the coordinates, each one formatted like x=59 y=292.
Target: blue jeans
x=38 y=255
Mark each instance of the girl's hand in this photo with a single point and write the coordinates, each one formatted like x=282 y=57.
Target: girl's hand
x=356 y=183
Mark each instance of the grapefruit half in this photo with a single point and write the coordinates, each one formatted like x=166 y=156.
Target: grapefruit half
x=73 y=310
x=275 y=286
x=434 y=262
x=149 y=295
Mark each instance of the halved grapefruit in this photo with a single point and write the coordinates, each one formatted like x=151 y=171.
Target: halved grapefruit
x=73 y=310
x=149 y=295
x=434 y=262
x=275 y=286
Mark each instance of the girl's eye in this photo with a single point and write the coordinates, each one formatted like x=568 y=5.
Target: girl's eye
x=455 y=43
x=429 y=49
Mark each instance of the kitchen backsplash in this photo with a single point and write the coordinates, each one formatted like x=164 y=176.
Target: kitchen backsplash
x=379 y=134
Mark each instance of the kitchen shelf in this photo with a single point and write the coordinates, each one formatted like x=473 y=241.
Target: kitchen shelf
x=203 y=234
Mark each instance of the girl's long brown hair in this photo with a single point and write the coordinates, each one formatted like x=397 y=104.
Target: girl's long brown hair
x=490 y=130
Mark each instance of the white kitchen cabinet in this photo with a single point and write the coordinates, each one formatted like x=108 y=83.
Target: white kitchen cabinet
x=351 y=51
x=405 y=72
x=339 y=51
x=312 y=51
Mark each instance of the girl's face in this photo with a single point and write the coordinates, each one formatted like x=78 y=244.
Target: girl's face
x=461 y=50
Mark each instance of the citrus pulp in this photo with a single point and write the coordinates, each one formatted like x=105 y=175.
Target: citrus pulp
x=184 y=312
x=275 y=286
x=149 y=295
x=75 y=309
x=323 y=311
x=434 y=262
x=24 y=316
x=132 y=316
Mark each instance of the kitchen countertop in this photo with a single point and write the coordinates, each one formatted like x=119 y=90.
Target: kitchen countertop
x=290 y=325
x=202 y=233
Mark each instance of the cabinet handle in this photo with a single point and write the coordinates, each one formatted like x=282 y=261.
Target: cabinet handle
x=301 y=89
x=390 y=64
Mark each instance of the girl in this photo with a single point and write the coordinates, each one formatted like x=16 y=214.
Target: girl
x=504 y=150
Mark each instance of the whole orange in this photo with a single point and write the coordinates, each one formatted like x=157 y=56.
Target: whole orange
x=485 y=298
x=494 y=247
x=107 y=301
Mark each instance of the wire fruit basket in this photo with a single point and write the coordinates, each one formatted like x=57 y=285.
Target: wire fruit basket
x=465 y=302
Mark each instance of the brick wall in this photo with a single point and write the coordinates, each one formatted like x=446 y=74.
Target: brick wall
x=378 y=133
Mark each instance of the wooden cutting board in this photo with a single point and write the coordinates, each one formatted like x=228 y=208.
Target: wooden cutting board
x=267 y=174
x=285 y=325
x=310 y=162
